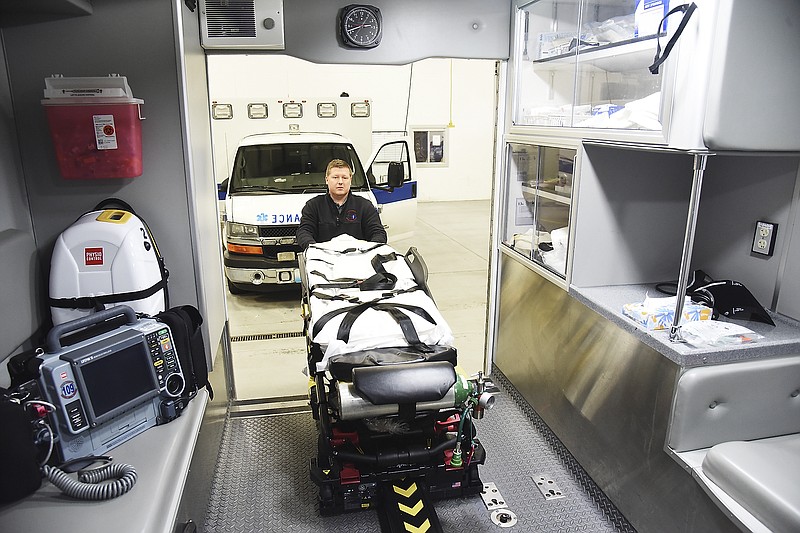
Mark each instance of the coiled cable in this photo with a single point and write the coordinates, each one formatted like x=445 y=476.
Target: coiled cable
x=86 y=487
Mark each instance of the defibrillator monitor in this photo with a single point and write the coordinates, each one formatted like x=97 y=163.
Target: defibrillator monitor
x=110 y=378
x=109 y=387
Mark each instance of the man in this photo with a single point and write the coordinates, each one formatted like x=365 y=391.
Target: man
x=338 y=212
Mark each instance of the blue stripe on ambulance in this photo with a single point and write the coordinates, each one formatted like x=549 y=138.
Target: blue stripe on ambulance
x=398 y=194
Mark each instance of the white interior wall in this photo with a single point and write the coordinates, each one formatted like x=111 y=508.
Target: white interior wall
x=403 y=96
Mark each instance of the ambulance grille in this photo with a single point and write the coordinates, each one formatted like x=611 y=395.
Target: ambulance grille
x=231 y=18
x=266 y=337
x=277 y=231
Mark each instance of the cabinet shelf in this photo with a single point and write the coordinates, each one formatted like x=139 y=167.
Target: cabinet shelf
x=529 y=193
x=621 y=56
x=18 y=13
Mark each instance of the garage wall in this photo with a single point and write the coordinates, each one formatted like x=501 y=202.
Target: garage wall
x=468 y=113
x=433 y=92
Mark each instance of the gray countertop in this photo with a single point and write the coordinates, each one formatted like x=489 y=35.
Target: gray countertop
x=783 y=339
x=161 y=457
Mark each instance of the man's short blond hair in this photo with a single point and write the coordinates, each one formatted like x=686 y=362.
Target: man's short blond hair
x=338 y=163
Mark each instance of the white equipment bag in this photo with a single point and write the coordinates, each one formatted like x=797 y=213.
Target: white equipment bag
x=105 y=258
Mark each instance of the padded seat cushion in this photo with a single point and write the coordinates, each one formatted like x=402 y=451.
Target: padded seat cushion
x=404 y=384
x=762 y=476
x=341 y=366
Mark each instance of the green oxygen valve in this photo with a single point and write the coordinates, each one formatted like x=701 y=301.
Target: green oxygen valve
x=455 y=461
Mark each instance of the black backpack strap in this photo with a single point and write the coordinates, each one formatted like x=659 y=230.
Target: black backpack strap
x=111 y=202
x=98 y=303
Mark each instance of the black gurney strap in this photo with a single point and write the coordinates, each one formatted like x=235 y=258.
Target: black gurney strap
x=324 y=319
x=350 y=250
x=406 y=326
x=356 y=311
x=352 y=298
x=687 y=10
x=308 y=260
x=352 y=313
x=337 y=283
x=381 y=281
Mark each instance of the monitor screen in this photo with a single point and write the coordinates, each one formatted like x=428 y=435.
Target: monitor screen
x=119 y=380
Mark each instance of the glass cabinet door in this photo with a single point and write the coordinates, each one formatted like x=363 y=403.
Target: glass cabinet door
x=585 y=64
x=538 y=202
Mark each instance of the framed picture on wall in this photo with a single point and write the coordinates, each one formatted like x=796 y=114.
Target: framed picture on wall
x=430 y=146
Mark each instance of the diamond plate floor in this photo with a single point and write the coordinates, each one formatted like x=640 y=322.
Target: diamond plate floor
x=262 y=482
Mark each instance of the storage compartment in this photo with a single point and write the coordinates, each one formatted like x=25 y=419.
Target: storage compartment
x=581 y=63
x=538 y=202
x=584 y=64
x=95 y=125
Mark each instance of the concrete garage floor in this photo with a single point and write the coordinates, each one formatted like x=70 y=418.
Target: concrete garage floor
x=453 y=238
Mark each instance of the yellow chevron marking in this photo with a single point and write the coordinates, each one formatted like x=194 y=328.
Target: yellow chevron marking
x=405 y=492
x=326 y=472
x=426 y=525
x=411 y=510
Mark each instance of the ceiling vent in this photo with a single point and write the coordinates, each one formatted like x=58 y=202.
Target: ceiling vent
x=242 y=24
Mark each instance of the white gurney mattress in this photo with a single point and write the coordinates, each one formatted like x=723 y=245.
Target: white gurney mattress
x=345 y=258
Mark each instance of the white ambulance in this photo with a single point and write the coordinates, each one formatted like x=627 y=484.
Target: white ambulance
x=273 y=175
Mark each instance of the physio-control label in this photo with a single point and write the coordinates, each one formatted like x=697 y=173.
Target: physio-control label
x=93 y=256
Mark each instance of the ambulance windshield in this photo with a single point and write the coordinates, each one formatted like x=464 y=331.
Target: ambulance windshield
x=293 y=167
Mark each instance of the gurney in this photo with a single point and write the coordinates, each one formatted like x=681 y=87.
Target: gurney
x=394 y=412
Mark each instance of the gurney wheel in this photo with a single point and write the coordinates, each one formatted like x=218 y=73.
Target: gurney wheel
x=327 y=502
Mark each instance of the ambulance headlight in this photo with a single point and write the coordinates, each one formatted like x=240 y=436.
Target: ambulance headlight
x=241 y=231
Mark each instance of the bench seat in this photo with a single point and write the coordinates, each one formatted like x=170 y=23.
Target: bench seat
x=736 y=428
x=763 y=476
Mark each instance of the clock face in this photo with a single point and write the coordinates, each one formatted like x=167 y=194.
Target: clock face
x=361 y=26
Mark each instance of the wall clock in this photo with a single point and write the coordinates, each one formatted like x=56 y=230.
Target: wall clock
x=360 y=26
